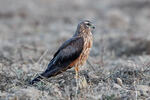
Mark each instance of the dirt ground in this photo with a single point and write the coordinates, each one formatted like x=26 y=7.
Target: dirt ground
x=119 y=64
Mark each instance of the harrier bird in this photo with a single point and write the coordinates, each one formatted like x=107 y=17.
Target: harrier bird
x=73 y=52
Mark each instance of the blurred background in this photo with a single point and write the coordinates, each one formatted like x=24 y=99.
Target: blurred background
x=43 y=23
x=32 y=30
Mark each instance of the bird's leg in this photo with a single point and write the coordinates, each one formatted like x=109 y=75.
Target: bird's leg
x=77 y=72
x=77 y=78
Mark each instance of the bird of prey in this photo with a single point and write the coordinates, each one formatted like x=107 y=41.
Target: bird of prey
x=73 y=53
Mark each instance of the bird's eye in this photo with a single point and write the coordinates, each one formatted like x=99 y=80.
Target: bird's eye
x=88 y=24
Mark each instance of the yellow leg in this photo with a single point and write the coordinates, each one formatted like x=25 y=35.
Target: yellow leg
x=77 y=79
x=77 y=72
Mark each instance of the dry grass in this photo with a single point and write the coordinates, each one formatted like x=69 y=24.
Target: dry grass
x=119 y=64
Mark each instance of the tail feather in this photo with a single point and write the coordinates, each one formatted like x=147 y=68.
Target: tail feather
x=37 y=79
x=54 y=70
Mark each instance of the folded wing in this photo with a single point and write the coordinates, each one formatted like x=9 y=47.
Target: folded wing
x=65 y=55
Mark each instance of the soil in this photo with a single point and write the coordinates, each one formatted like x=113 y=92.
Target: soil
x=119 y=64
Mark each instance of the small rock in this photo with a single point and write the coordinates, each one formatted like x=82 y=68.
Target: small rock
x=83 y=83
x=119 y=81
x=143 y=89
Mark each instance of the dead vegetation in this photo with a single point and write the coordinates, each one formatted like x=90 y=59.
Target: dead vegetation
x=119 y=63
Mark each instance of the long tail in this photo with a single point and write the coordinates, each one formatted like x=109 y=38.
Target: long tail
x=50 y=71
x=37 y=79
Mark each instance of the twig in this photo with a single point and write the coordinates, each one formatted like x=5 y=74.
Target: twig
x=42 y=56
x=90 y=65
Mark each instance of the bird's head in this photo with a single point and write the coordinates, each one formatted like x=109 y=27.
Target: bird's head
x=85 y=27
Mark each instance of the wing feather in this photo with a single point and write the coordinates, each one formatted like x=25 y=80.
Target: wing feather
x=65 y=55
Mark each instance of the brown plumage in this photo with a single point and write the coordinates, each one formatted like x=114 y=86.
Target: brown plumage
x=74 y=52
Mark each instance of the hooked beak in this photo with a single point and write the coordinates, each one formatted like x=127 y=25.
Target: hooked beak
x=92 y=26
